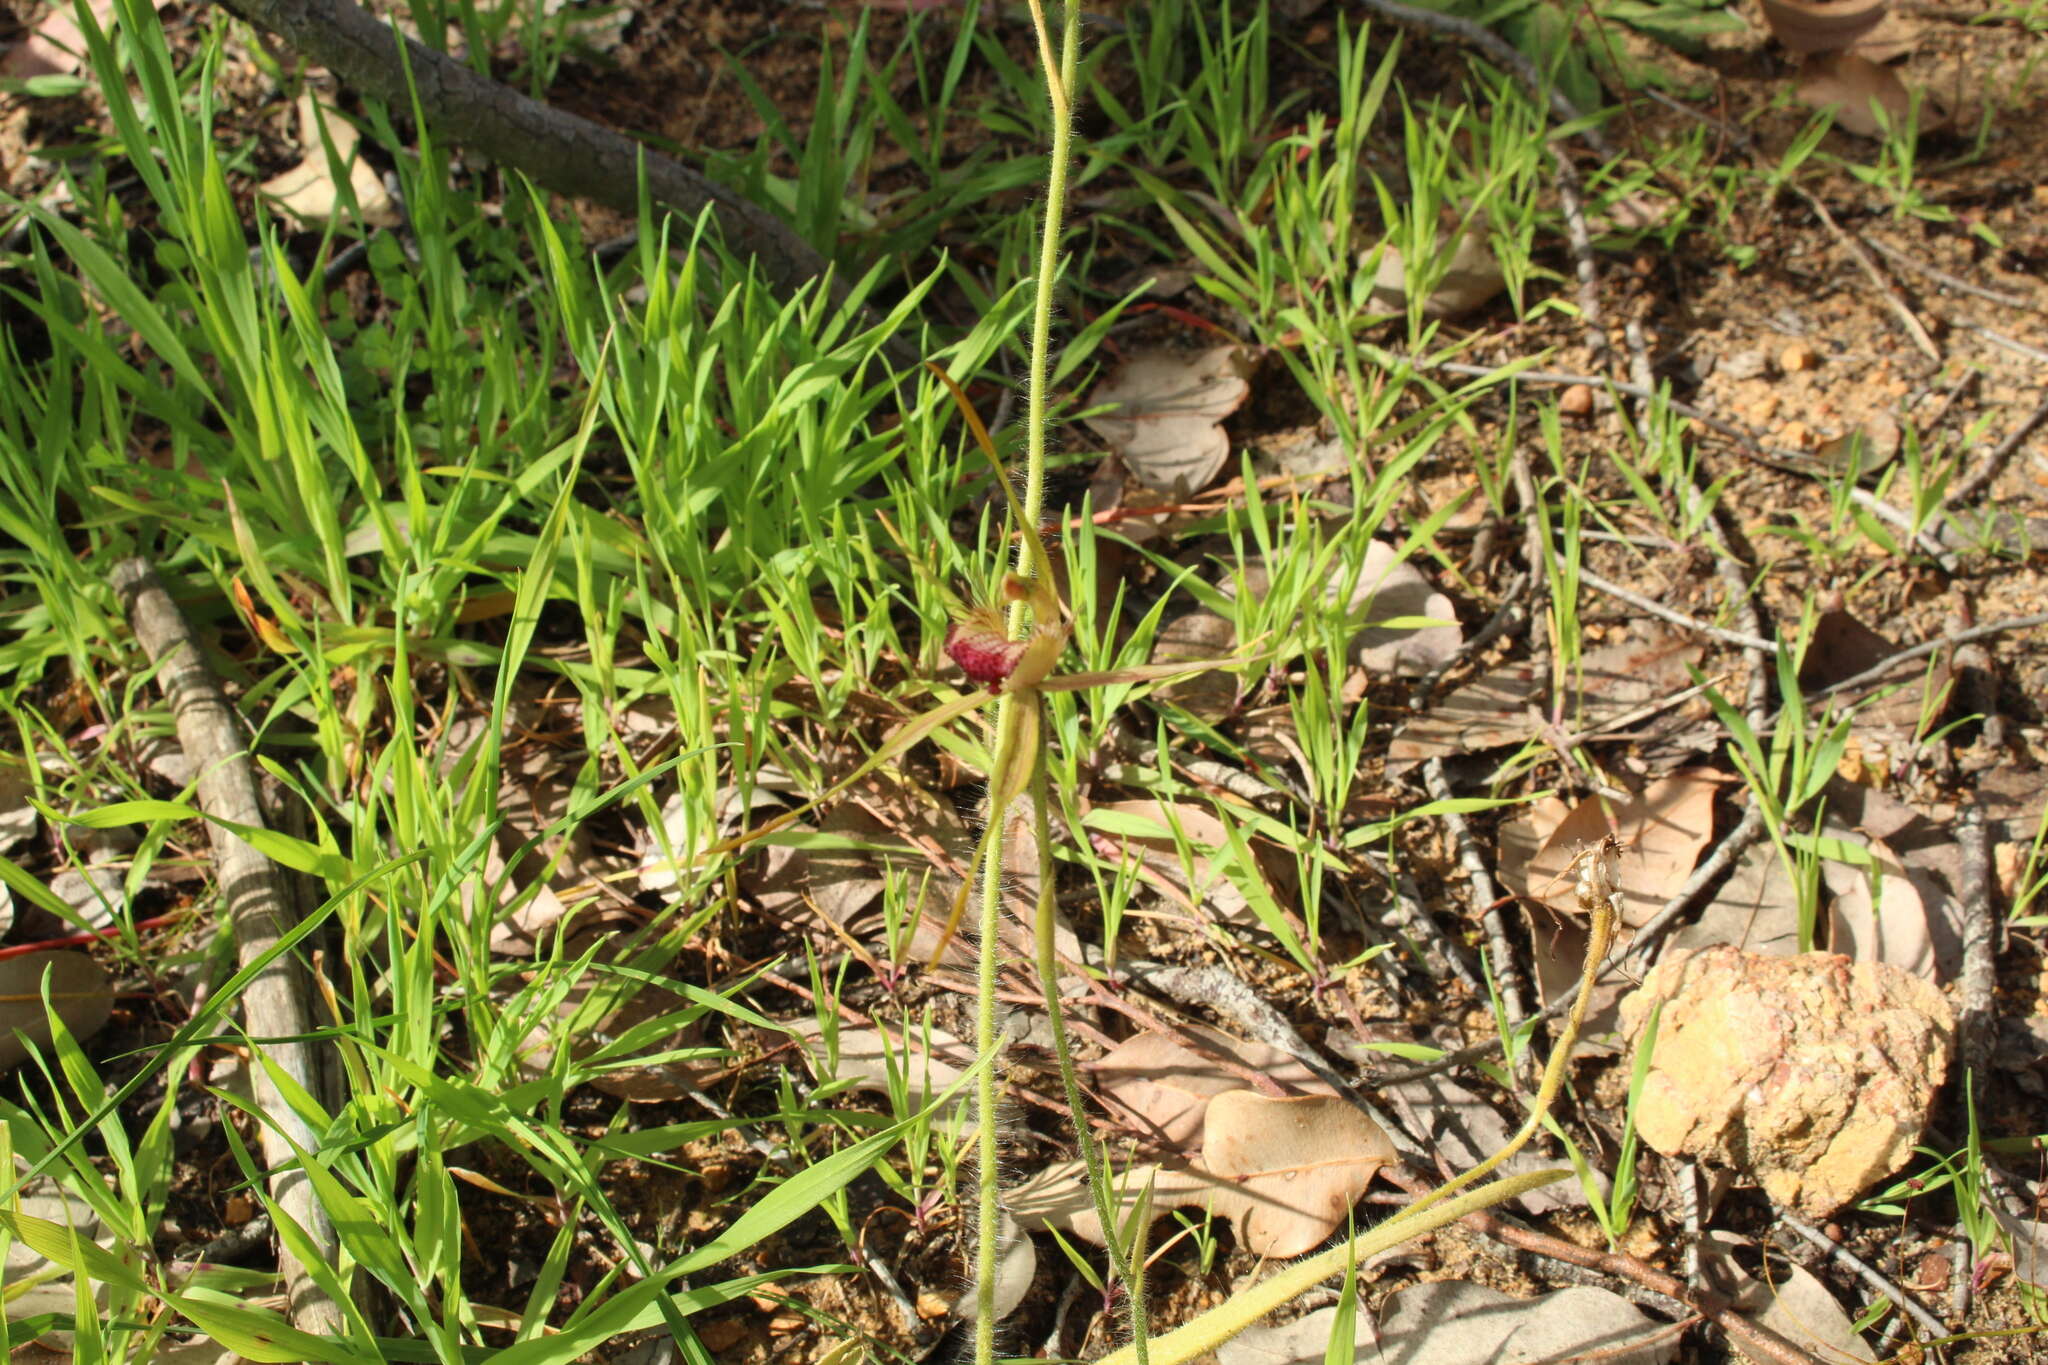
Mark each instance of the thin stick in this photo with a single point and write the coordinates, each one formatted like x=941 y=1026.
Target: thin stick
x=1676 y=618
x=275 y=1005
x=1981 y=478
x=1866 y=1272
x=1977 y=896
x=1485 y=895
x=1942 y=277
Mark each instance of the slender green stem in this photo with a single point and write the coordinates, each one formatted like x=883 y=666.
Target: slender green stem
x=1130 y=1269
x=1011 y=710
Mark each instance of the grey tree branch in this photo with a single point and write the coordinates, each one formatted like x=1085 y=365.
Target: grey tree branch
x=564 y=152
x=258 y=900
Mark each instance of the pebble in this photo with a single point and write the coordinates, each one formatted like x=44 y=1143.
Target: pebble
x=1740 y=365
x=1796 y=357
x=1577 y=401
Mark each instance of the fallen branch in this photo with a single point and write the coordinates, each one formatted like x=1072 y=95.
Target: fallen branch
x=274 y=1005
x=561 y=151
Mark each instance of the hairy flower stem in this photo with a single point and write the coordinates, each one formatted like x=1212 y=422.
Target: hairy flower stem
x=988 y=1212
x=1130 y=1269
x=1011 y=710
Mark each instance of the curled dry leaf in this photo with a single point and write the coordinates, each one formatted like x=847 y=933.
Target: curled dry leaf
x=1886 y=727
x=1809 y=26
x=1864 y=95
x=307 y=191
x=79 y=992
x=1284 y=1172
x=1789 y=1301
x=1168 y=406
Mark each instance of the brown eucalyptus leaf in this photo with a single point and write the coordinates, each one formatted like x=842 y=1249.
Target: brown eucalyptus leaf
x=1470 y=280
x=1459 y=1126
x=1168 y=407
x=1864 y=95
x=56 y=46
x=1617 y=678
x=1295 y=1166
x=1663 y=829
x=602 y=1006
x=1755 y=908
x=307 y=191
x=17 y=817
x=1388 y=588
x=1808 y=26
x=1880 y=913
x=1457 y=1322
x=1057 y=1196
x=1490 y=712
x=79 y=992
x=1926 y=850
x=1886 y=726
x=1791 y=1302
x=1200 y=634
x=1130 y=824
x=1165 y=1087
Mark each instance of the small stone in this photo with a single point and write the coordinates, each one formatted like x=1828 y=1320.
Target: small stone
x=1812 y=1074
x=721 y=1334
x=239 y=1209
x=1794 y=434
x=1577 y=401
x=930 y=1305
x=1796 y=357
x=1740 y=365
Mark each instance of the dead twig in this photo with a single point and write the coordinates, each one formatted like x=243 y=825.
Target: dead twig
x=1942 y=277
x=1485 y=895
x=1976 y=1020
x=1985 y=474
x=1868 y=1273
x=1677 y=618
x=275 y=1004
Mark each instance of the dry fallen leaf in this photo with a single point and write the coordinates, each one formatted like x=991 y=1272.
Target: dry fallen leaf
x=1663 y=830
x=307 y=191
x=1457 y=1322
x=1471 y=279
x=603 y=1007
x=1167 y=409
x=1165 y=1087
x=1865 y=96
x=56 y=47
x=1459 y=1126
x=1294 y=1167
x=1146 y=829
x=1808 y=26
x=1199 y=634
x=79 y=992
x=1284 y=1172
x=926 y=1063
x=1756 y=908
x=1789 y=1301
x=1491 y=711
